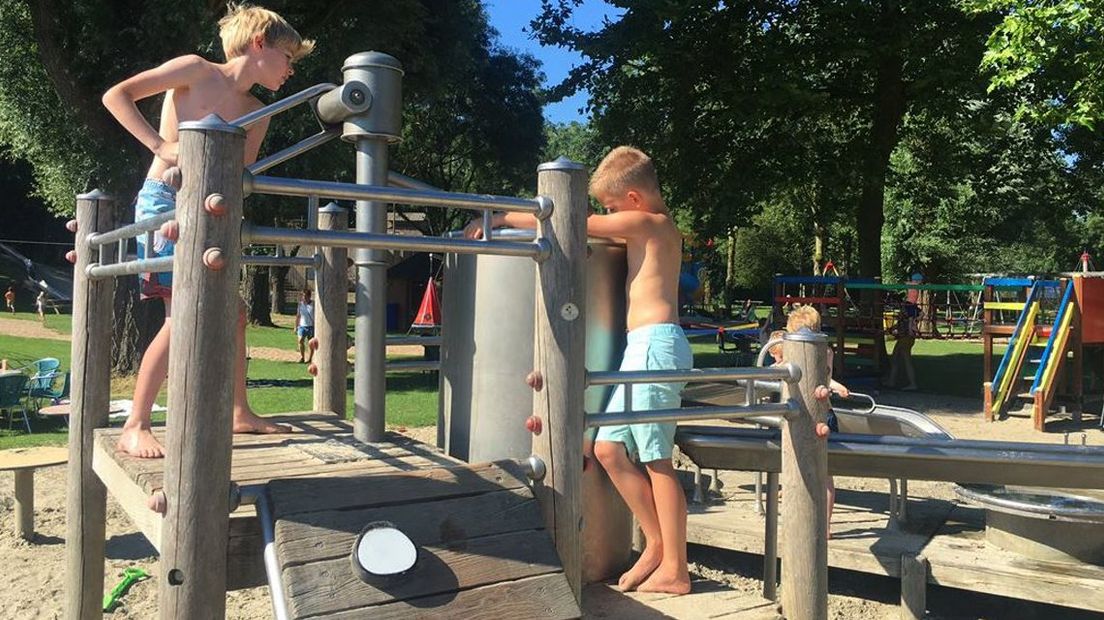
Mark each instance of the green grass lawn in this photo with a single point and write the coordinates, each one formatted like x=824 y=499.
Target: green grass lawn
x=944 y=367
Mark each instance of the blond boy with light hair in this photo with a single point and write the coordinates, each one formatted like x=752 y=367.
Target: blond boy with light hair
x=260 y=48
x=626 y=185
x=808 y=317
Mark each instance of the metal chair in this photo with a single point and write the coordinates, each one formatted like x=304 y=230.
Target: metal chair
x=41 y=382
x=12 y=387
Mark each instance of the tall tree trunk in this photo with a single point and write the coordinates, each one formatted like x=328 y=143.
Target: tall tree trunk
x=730 y=271
x=277 y=283
x=135 y=322
x=255 y=288
x=889 y=110
x=818 y=247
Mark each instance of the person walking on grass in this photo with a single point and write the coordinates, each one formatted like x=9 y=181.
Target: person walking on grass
x=304 y=326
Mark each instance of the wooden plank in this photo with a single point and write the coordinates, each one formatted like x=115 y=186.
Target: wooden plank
x=862 y=538
x=331 y=586
x=262 y=474
x=317 y=536
x=130 y=495
x=310 y=495
x=86 y=498
x=707 y=599
x=960 y=557
x=547 y=597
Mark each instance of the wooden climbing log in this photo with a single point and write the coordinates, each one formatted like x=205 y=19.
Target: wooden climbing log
x=331 y=310
x=201 y=370
x=559 y=354
x=804 y=475
x=86 y=499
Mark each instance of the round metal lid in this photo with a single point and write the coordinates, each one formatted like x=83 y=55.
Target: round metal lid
x=1034 y=502
x=382 y=550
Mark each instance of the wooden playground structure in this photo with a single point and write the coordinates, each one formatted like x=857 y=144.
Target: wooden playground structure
x=225 y=510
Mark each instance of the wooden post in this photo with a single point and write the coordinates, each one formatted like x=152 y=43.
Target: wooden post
x=804 y=476
x=559 y=354
x=914 y=586
x=24 y=503
x=331 y=310
x=201 y=371
x=86 y=501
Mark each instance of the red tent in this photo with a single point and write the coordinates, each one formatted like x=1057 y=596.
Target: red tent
x=429 y=313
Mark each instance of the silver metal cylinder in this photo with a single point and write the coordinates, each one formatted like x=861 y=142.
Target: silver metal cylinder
x=382 y=74
x=487 y=351
x=369 y=382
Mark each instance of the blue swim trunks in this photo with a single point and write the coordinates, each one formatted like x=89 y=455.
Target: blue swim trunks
x=305 y=331
x=653 y=347
x=154 y=199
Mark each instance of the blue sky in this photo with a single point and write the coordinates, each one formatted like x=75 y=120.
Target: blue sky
x=511 y=18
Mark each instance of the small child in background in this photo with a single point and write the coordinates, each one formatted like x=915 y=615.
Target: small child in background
x=9 y=298
x=808 y=317
x=40 y=305
x=304 y=326
x=776 y=350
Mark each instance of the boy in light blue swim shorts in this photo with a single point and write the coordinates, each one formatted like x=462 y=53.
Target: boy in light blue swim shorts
x=155 y=197
x=626 y=185
x=660 y=346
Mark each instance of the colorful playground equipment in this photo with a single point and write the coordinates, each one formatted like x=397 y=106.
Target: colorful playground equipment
x=859 y=312
x=1044 y=361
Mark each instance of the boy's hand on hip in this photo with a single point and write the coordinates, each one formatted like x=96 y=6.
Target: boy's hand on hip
x=170 y=230
x=168 y=152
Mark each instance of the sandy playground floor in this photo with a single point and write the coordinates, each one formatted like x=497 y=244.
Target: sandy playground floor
x=34 y=572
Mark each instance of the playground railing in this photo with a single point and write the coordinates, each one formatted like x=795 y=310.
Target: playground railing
x=1061 y=323
x=787 y=373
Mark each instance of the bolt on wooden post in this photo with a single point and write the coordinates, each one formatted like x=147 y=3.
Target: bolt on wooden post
x=86 y=500
x=331 y=312
x=202 y=359
x=559 y=355
x=804 y=477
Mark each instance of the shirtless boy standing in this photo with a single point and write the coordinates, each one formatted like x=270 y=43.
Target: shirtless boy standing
x=260 y=48
x=626 y=185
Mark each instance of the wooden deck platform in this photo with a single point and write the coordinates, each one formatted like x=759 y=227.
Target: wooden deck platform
x=321 y=446
x=949 y=535
x=484 y=550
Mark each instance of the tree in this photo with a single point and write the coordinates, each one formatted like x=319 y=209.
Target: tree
x=742 y=103
x=474 y=106
x=1050 y=53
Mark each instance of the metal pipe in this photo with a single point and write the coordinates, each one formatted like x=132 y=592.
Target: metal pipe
x=875 y=456
x=294 y=150
x=131 y=230
x=257 y=494
x=284 y=104
x=413 y=365
x=734 y=412
x=162 y=264
x=770 y=541
x=786 y=372
x=381 y=193
x=397 y=179
x=370 y=373
x=350 y=239
x=313 y=261
x=425 y=341
x=120 y=255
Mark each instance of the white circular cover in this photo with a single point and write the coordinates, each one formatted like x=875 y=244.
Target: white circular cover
x=385 y=550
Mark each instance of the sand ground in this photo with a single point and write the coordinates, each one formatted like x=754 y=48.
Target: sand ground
x=34 y=572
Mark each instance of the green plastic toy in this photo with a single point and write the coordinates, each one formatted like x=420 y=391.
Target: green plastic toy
x=131 y=576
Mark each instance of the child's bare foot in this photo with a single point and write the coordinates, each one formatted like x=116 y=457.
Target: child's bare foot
x=670 y=581
x=141 y=443
x=249 y=422
x=648 y=562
